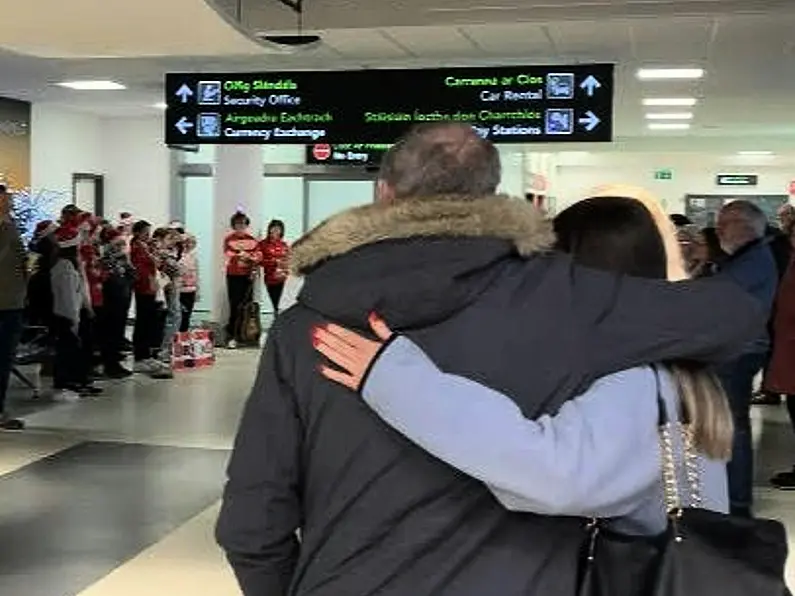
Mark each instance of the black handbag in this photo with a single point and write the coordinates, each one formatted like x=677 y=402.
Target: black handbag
x=701 y=552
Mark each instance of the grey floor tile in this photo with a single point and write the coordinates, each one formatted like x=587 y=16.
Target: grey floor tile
x=69 y=519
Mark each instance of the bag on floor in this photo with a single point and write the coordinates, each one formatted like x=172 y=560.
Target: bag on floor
x=193 y=349
x=250 y=326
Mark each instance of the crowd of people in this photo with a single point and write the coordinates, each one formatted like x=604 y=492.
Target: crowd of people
x=82 y=276
x=542 y=367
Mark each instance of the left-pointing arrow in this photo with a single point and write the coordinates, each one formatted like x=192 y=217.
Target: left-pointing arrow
x=184 y=93
x=590 y=121
x=183 y=125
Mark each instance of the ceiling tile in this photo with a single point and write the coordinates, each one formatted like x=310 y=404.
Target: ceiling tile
x=682 y=40
x=364 y=44
x=598 y=41
x=432 y=41
x=525 y=39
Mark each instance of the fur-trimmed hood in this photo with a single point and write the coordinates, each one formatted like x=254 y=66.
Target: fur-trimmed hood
x=497 y=217
x=416 y=262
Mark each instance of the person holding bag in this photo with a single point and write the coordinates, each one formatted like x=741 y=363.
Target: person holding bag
x=242 y=257
x=599 y=456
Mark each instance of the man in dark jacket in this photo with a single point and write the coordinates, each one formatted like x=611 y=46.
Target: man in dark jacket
x=742 y=228
x=13 y=287
x=468 y=275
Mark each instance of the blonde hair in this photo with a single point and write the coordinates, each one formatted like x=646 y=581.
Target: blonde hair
x=704 y=405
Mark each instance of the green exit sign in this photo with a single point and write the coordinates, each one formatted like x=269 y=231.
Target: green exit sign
x=663 y=174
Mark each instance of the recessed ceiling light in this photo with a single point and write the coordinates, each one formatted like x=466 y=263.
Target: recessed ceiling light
x=93 y=85
x=161 y=105
x=670 y=116
x=755 y=153
x=670 y=102
x=669 y=126
x=668 y=74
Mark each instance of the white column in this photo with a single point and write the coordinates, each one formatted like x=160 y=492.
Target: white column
x=237 y=186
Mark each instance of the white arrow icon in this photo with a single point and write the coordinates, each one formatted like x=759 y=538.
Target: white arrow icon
x=183 y=125
x=184 y=93
x=590 y=121
x=590 y=85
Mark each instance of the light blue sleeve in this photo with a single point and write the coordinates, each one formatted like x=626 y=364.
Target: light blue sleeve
x=596 y=457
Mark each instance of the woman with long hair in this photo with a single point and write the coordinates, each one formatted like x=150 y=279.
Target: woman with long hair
x=599 y=455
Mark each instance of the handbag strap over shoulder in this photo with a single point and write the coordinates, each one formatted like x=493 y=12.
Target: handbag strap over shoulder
x=669 y=426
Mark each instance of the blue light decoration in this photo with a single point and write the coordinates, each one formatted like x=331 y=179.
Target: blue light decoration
x=29 y=207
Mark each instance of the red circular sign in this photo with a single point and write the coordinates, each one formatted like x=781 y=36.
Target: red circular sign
x=321 y=152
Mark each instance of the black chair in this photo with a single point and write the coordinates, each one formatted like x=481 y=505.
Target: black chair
x=34 y=348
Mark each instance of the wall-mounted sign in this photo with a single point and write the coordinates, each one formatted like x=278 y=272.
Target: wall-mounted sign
x=350 y=154
x=664 y=174
x=737 y=180
x=517 y=104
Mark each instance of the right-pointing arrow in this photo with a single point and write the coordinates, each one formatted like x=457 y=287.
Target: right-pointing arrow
x=183 y=125
x=590 y=121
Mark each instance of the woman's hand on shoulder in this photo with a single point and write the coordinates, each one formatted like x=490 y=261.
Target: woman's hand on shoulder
x=351 y=354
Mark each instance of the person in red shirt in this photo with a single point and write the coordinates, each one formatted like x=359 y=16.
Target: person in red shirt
x=89 y=255
x=275 y=252
x=242 y=254
x=145 y=288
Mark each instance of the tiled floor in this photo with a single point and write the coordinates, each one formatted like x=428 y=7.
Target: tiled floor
x=148 y=457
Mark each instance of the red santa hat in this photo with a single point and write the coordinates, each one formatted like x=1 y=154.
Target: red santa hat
x=110 y=235
x=67 y=236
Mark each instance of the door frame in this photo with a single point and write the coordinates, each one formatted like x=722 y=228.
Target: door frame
x=99 y=190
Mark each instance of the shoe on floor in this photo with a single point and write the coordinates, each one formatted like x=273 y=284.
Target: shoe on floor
x=231 y=344
x=66 y=395
x=784 y=480
x=89 y=389
x=766 y=399
x=163 y=372
x=145 y=366
x=11 y=424
x=117 y=372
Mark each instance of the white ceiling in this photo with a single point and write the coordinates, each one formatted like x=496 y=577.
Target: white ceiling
x=747 y=48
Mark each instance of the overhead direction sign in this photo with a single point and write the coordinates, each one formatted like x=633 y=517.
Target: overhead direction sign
x=516 y=104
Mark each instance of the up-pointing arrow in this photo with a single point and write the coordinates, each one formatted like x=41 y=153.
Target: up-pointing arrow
x=590 y=121
x=184 y=93
x=183 y=125
x=590 y=85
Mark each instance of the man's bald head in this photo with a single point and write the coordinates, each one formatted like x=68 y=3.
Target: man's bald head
x=440 y=159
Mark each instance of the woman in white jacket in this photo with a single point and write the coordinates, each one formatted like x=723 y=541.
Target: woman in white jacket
x=70 y=301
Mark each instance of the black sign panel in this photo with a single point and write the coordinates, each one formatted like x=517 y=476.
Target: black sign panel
x=346 y=154
x=517 y=104
x=737 y=180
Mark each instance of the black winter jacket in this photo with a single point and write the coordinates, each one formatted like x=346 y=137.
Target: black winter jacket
x=472 y=283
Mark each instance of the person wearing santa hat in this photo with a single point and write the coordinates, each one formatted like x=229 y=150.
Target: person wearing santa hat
x=119 y=277
x=70 y=302
x=94 y=278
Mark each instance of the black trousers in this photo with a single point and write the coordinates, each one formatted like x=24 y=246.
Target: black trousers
x=275 y=292
x=239 y=290
x=145 y=333
x=112 y=322
x=70 y=368
x=188 y=302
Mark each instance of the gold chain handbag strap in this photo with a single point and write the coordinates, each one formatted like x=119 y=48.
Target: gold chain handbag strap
x=670 y=474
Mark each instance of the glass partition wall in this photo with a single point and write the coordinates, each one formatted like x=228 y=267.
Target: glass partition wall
x=299 y=195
